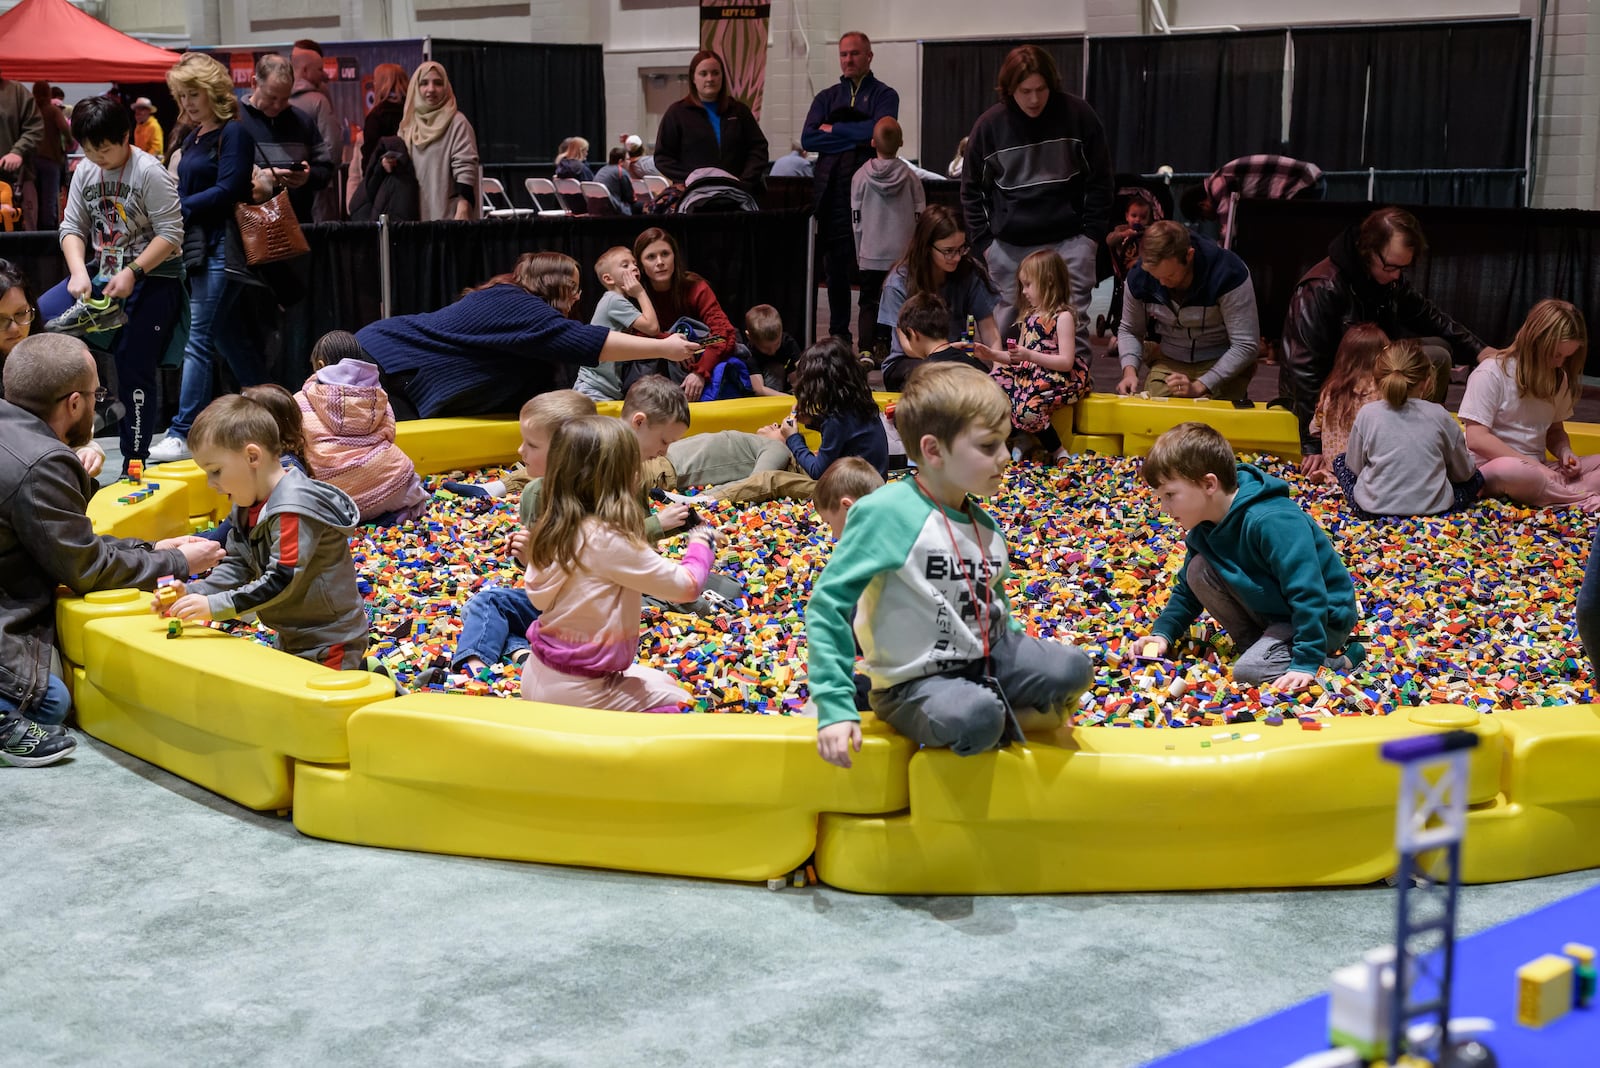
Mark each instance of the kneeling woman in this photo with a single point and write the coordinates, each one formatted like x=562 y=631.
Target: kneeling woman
x=500 y=344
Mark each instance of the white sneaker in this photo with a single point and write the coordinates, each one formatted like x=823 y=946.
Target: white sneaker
x=171 y=447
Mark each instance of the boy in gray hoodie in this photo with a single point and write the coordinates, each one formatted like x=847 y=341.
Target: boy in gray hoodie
x=289 y=550
x=885 y=199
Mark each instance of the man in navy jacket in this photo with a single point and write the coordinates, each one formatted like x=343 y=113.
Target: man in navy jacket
x=839 y=128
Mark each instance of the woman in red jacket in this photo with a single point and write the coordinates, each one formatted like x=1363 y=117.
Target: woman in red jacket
x=677 y=293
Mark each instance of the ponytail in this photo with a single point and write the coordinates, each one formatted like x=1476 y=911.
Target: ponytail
x=1401 y=370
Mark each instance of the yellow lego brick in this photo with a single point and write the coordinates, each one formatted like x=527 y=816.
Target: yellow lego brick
x=732 y=797
x=1544 y=990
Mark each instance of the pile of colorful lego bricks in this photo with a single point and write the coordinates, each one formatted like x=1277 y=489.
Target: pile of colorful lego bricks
x=1473 y=609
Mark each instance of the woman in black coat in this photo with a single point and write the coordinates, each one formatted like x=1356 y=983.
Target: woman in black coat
x=709 y=128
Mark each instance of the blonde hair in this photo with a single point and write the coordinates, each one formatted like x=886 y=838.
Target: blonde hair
x=548 y=411
x=608 y=261
x=594 y=473
x=1048 y=272
x=943 y=399
x=848 y=476
x=1541 y=372
x=574 y=148
x=1164 y=240
x=234 y=421
x=198 y=71
x=763 y=323
x=1402 y=371
x=1191 y=451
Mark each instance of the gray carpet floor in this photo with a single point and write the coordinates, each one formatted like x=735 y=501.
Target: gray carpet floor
x=152 y=923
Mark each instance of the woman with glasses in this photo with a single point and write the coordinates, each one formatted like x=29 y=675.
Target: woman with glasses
x=938 y=260
x=17 y=316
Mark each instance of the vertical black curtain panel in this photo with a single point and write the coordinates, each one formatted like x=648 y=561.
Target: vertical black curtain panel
x=525 y=99
x=1411 y=97
x=1191 y=102
x=958 y=79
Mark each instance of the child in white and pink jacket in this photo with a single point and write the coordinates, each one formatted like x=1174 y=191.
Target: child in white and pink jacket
x=350 y=433
x=589 y=567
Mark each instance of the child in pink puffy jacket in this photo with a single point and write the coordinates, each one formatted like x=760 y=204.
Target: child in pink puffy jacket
x=350 y=433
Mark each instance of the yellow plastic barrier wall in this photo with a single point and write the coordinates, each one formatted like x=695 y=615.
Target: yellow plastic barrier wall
x=746 y=797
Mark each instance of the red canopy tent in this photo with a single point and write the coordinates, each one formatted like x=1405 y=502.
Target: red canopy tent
x=50 y=40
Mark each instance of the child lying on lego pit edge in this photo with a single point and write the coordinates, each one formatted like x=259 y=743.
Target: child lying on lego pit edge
x=920 y=550
x=1259 y=564
x=497 y=617
x=288 y=554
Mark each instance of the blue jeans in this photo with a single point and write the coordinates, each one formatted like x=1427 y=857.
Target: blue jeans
x=214 y=330
x=494 y=625
x=50 y=711
x=1588 y=610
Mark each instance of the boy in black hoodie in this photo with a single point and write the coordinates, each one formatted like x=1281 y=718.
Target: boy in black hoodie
x=1259 y=564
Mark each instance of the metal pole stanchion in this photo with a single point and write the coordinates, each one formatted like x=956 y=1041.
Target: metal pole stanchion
x=811 y=281
x=385 y=269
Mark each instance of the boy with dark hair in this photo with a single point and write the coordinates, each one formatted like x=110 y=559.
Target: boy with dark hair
x=1260 y=565
x=919 y=575
x=924 y=332
x=122 y=237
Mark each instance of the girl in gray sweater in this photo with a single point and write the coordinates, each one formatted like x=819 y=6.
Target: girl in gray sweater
x=1406 y=455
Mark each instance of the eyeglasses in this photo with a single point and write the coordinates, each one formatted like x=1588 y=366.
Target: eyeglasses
x=1391 y=267
x=22 y=318
x=953 y=253
x=101 y=395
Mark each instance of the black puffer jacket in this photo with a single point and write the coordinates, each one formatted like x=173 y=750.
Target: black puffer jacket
x=1333 y=296
x=46 y=540
x=685 y=142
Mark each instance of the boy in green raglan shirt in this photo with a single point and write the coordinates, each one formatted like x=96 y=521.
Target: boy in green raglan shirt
x=921 y=568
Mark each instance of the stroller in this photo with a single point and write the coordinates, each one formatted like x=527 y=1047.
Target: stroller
x=1122 y=249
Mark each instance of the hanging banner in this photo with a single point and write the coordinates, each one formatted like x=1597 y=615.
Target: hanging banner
x=738 y=33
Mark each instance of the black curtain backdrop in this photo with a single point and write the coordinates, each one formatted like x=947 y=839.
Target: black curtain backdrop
x=958 y=85
x=525 y=99
x=1192 y=102
x=1484 y=266
x=1410 y=97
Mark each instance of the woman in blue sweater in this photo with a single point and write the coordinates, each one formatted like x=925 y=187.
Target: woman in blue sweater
x=213 y=176
x=831 y=395
x=500 y=344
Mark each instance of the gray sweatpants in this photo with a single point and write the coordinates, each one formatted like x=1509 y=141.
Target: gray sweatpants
x=1079 y=253
x=960 y=713
x=1268 y=647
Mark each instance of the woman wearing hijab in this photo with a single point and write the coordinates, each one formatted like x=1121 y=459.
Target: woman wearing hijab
x=443 y=147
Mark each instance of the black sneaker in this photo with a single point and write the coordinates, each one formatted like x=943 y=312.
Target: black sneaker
x=26 y=744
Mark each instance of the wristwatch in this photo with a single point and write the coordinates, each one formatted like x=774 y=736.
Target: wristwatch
x=138 y=271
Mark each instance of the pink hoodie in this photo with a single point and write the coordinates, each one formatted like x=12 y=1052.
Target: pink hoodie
x=350 y=441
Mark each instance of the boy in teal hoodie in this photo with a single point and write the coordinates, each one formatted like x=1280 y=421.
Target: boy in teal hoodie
x=1259 y=564
x=919 y=573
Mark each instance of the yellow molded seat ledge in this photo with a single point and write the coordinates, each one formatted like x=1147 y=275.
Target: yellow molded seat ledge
x=1140 y=421
x=730 y=797
x=1547 y=817
x=220 y=711
x=1098 y=808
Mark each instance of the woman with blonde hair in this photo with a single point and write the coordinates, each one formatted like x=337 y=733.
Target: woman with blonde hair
x=443 y=147
x=572 y=160
x=1514 y=410
x=500 y=344
x=214 y=175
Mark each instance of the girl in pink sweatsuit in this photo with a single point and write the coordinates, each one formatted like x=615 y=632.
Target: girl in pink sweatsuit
x=590 y=565
x=350 y=433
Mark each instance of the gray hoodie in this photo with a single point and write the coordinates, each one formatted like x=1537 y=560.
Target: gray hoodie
x=885 y=200
x=292 y=567
x=123 y=209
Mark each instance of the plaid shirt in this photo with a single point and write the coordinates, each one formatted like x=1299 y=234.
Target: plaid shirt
x=1265 y=177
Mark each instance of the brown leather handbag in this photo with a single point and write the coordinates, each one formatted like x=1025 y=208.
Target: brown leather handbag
x=269 y=232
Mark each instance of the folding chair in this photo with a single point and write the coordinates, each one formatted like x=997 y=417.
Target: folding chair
x=570 y=192
x=645 y=199
x=496 y=205
x=597 y=198
x=657 y=184
x=544 y=187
